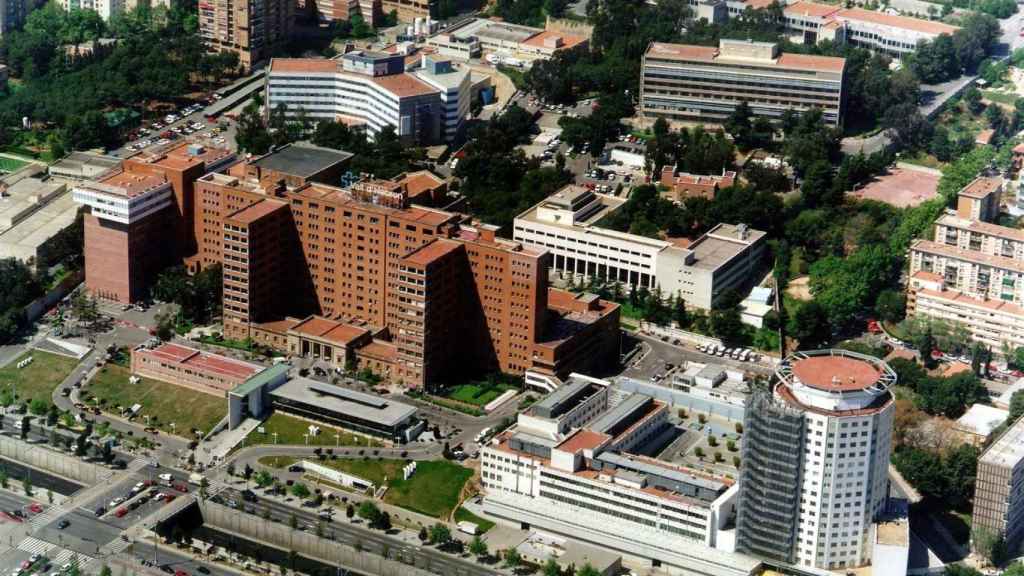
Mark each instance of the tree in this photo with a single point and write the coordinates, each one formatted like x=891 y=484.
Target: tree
x=247 y=472
x=925 y=344
x=369 y=511
x=252 y=135
x=440 y=534
x=52 y=415
x=3 y=478
x=300 y=490
x=972 y=97
x=809 y=325
x=350 y=511
x=588 y=570
x=739 y=125
x=1016 y=406
x=512 y=558
x=26 y=423
x=26 y=486
x=891 y=305
x=293 y=522
x=38 y=406
x=423 y=536
x=551 y=568
x=477 y=546
x=105 y=571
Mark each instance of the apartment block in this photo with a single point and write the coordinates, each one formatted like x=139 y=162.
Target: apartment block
x=373 y=90
x=141 y=217
x=410 y=10
x=999 y=492
x=571 y=466
x=815 y=461
x=344 y=10
x=705 y=83
x=567 y=225
x=105 y=8
x=972 y=273
x=251 y=29
x=412 y=292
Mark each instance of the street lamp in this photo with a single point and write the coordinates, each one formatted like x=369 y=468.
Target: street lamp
x=337 y=440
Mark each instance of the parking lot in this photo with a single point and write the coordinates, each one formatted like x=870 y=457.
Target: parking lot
x=189 y=121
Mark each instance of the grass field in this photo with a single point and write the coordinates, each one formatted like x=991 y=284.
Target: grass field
x=290 y=430
x=463 y=515
x=163 y=403
x=476 y=394
x=433 y=490
x=40 y=378
x=11 y=165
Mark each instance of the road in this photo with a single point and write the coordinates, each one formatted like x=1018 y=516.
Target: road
x=371 y=541
x=935 y=95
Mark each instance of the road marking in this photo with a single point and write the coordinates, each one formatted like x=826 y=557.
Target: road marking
x=34 y=545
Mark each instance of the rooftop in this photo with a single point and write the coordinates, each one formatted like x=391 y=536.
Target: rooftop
x=835 y=373
x=723 y=243
x=302 y=160
x=33 y=212
x=417 y=183
x=199 y=360
x=321 y=65
x=982 y=420
x=428 y=253
x=981 y=187
x=337 y=399
x=485 y=28
x=567 y=40
x=330 y=330
x=711 y=55
x=622 y=416
x=894 y=21
x=84 y=165
x=583 y=440
x=182 y=155
x=261 y=379
x=1008 y=449
x=565 y=398
x=130 y=184
x=986 y=228
x=812 y=9
x=255 y=211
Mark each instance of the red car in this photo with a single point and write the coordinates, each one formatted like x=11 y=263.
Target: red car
x=35 y=507
x=169 y=497
x=121 y=512
x=181 y=487
x=181 y=573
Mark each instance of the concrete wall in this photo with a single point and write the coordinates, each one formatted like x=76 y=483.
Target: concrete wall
x=283 y=537
x=40 y=305
x=42 y=457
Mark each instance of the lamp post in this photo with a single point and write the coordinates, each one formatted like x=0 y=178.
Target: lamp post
x=337 y=440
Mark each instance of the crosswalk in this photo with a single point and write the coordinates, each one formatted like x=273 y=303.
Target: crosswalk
x=49 y=515
x=57 y=555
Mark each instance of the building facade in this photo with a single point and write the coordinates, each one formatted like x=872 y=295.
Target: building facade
x=105 y=8
x=972 y=273
x=183 y=366
x=566 y=225
x=999 y=493
x=251 y=29
x=684 y=82
x=815 y=473
x=141 y=217
x=569 y=466
x=373 y=90
x=411 y=292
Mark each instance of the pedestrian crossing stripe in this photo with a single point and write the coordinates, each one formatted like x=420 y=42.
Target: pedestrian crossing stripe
x=34 y=545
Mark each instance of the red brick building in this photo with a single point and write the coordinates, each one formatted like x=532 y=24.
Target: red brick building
x=184 y=366
x=141 y=218
x=684 y=185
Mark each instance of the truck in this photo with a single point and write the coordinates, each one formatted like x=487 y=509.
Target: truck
x=196 y=478
x=514 y=62
x=468 y=528
x=493 y=58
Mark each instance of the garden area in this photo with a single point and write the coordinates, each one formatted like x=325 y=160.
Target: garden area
x=481 y=393
x=36 y=381
x=170 y=408
x=432 y=490
x=291 y=430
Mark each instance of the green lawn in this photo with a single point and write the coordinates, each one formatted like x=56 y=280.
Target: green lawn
x=463 y=515
x=476 y=394
x=164 y=403
x=40 y=378
x=290 y=430
x=11 y=165
x=433 y=490
x=1000 y=96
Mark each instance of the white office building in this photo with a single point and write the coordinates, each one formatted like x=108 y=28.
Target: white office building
x=815 y=461
x=570 y=466
x=567 y=225
x=373 y=90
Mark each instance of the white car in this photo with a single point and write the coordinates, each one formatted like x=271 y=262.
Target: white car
x=116 y=501
x=166 y=477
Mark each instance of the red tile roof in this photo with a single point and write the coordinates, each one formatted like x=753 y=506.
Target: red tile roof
x=254 y=212
x=904 y=22
x=327 y=329
x=431 y=252
x=583 y=440
x=404 y=85
x=710 y=54
x=204 y=361
x=835 y=373
x=981 y=187
x=304 y=65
